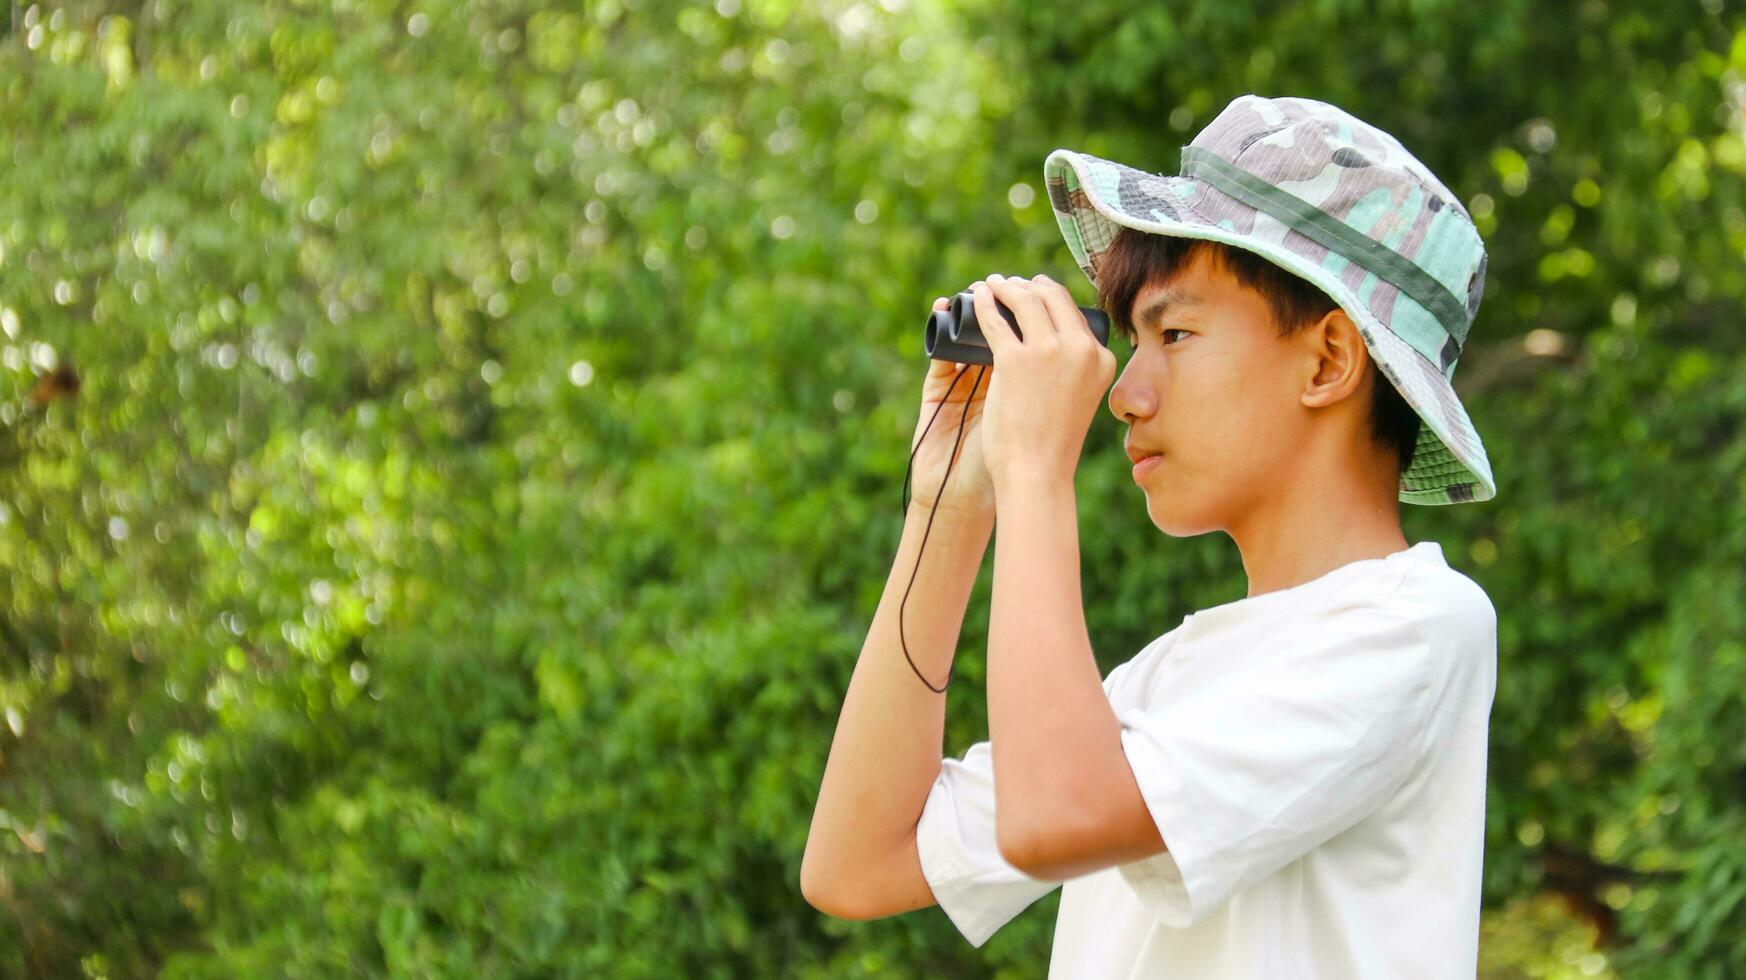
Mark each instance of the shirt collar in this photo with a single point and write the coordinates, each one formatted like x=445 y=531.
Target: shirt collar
x=1213 y=618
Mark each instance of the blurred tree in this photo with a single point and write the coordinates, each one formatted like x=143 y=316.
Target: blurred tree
x=436 y=537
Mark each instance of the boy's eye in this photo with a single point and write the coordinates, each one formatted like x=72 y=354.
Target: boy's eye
x=1133 y=338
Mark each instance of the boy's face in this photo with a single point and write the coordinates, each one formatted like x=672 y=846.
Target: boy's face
x=1212 y=387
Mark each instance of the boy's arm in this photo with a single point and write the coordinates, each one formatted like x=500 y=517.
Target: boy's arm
x=861 y=860
x=1066 y=798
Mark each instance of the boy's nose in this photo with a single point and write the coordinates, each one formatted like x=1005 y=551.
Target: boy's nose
x=1126 y=402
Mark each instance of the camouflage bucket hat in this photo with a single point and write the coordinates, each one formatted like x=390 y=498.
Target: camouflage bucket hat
x=1342 y=204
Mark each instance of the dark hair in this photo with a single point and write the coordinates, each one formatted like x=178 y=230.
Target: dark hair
x=1136 y=258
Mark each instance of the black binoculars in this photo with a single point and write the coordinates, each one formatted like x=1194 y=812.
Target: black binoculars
x=954 y=335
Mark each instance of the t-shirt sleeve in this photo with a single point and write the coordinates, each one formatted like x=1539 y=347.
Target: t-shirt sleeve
x=1255 y=769
x=976 y=887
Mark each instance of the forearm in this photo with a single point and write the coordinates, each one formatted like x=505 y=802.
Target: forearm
x=1051 y=725
x=887 y=749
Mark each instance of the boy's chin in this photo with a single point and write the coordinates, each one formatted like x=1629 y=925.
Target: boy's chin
x=1174 y=521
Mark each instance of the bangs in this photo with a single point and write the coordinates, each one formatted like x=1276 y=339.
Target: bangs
x=1136 y=259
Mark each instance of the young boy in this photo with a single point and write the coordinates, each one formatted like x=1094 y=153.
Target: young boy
x=1291 y=784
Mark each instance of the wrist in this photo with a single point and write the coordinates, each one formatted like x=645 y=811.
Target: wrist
x=1030 y=478
x=966 y=516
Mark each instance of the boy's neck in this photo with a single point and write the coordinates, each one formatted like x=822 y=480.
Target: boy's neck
x=1318 y=523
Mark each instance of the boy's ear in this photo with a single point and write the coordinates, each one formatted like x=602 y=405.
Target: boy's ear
x=1337 y=357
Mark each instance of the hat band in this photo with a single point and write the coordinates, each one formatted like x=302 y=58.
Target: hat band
x=1337 y=236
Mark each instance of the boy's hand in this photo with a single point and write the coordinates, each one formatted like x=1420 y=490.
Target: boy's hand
x=1047 y=387
x=968 y=489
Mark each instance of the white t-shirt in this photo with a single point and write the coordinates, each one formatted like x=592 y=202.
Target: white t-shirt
x=1315 y=760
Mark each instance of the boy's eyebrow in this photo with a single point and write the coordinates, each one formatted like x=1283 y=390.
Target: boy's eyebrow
x=1166 y=299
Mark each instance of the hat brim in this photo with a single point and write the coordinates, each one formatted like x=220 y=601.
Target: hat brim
x=1449 y=464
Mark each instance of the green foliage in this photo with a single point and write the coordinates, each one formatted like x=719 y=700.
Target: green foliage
x=440 y=506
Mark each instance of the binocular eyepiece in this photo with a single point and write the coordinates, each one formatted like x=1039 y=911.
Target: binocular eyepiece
x=954 y=335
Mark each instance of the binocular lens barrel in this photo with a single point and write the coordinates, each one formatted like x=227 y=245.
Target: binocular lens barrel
x=954 y=335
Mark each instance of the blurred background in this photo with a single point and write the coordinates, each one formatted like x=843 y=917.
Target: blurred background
x=450 y=455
